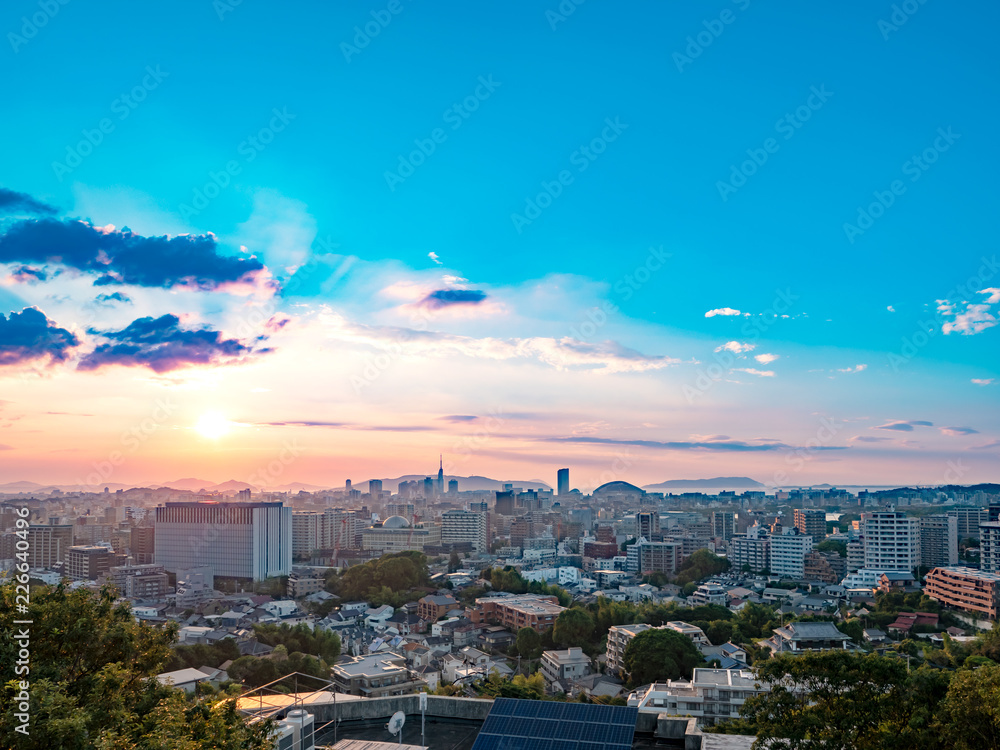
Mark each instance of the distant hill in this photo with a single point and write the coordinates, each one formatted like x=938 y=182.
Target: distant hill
x=715 y=483
x=188 y=484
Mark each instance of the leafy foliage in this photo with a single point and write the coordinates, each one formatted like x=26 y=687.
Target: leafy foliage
x=202 y=655
x=659 y=655
x=301 y=638
x=391 y=579
x=510 y=580
x=528 y=643
x=701 y=564
x=92 y=686
x=574 y=627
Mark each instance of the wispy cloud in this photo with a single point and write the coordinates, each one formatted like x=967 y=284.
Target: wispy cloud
x=11 y=201
x=766 y=359
x=435 y=257
x=958 y=431
x=984 y=381
x=903 y=426
x=970 y=318
x=728 y=446
x=856 y=368
x=758 y=373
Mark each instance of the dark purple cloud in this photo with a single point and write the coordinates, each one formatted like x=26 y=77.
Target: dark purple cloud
x=724 y=446
x=448 y=297
x=11 y=200
x=29 y=336
x=114 y=297
x=124 y=257
x=162 y=345
x=29 y=274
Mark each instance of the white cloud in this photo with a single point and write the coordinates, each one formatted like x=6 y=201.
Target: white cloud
x=983 y=381
x=766 y=359
x=856 y=368
x=434 y=256
x=723 y=311
x=735 y=347
x=758 y=373
x=975 y=318
x=890 y=308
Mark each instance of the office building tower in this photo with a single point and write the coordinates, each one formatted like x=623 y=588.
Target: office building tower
x=142 y=545
x=88 y=563
x=647 y=524
x=811 y=522
x=505 y=503
x=428 y=488
x=439 y=487
x=938 y=541
x=891 y=540
x=374 y=487
x=562 y=481
x=466 y=526
x=250 y=541
x=723 y=524
x=452 y=486
x=48 y=544
x=968 y=520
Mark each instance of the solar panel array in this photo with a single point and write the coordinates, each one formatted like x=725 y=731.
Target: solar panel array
x=548 y=725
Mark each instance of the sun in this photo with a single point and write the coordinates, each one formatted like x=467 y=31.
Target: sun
x=212 y=425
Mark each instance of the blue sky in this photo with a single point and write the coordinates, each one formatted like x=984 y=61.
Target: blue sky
x=838 y=105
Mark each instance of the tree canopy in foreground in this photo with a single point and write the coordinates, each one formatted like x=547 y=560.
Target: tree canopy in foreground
x=93 y=681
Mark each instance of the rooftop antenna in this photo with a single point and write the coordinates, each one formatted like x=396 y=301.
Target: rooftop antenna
x=395 y=725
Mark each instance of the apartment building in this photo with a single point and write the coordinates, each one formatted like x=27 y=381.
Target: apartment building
x=710 y=695
x=938 y=540
x=811 y=522
x=788 y=553
x=891 y=540
x=518 y=611
x=375 y=676
x=967 y=589
x=752 y=549
x=619 y=636
x=564 y=666
x=466 y=527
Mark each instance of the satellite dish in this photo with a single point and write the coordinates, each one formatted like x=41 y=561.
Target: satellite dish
x=396 y=723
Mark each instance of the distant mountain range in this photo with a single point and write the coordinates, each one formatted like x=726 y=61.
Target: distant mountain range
x=715 y=483
x=196 y=485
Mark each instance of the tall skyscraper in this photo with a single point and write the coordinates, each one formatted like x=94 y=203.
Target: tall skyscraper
x=439 y=490
x=374 y=486
x=453 y=487
x=562 y=481
x=251 y=541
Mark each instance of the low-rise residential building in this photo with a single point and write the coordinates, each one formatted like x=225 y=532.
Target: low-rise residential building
x=709 y=593
x=375 y=676
x=619 y=636
x=434 y=606
x=798 y=637
x=518 y=611
x=966 y=589
x=564 y=666
x=693 y=632
x=710 y=695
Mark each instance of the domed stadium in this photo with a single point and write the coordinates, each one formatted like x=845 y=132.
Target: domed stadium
x=395 y=522
x=618 y=488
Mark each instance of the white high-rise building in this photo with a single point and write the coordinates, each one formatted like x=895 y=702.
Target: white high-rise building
x=307 y=530
x=233 y=540
x=989 y=546
x=788 y=553
x=892 y=541
x=938 y=540
x=466 y=526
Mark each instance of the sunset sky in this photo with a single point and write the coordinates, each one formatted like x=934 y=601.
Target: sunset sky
x=647 y=242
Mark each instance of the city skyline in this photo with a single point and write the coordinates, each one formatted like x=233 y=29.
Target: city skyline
x=679 y=259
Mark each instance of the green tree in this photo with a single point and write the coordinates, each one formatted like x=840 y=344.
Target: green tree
x=573 y=627
x=92 y=681
x=701 y=564
x=832 y=545
x=838 y=700
x=528 y=643
x=969 y=718
x=658 y=655
x=454 y=562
